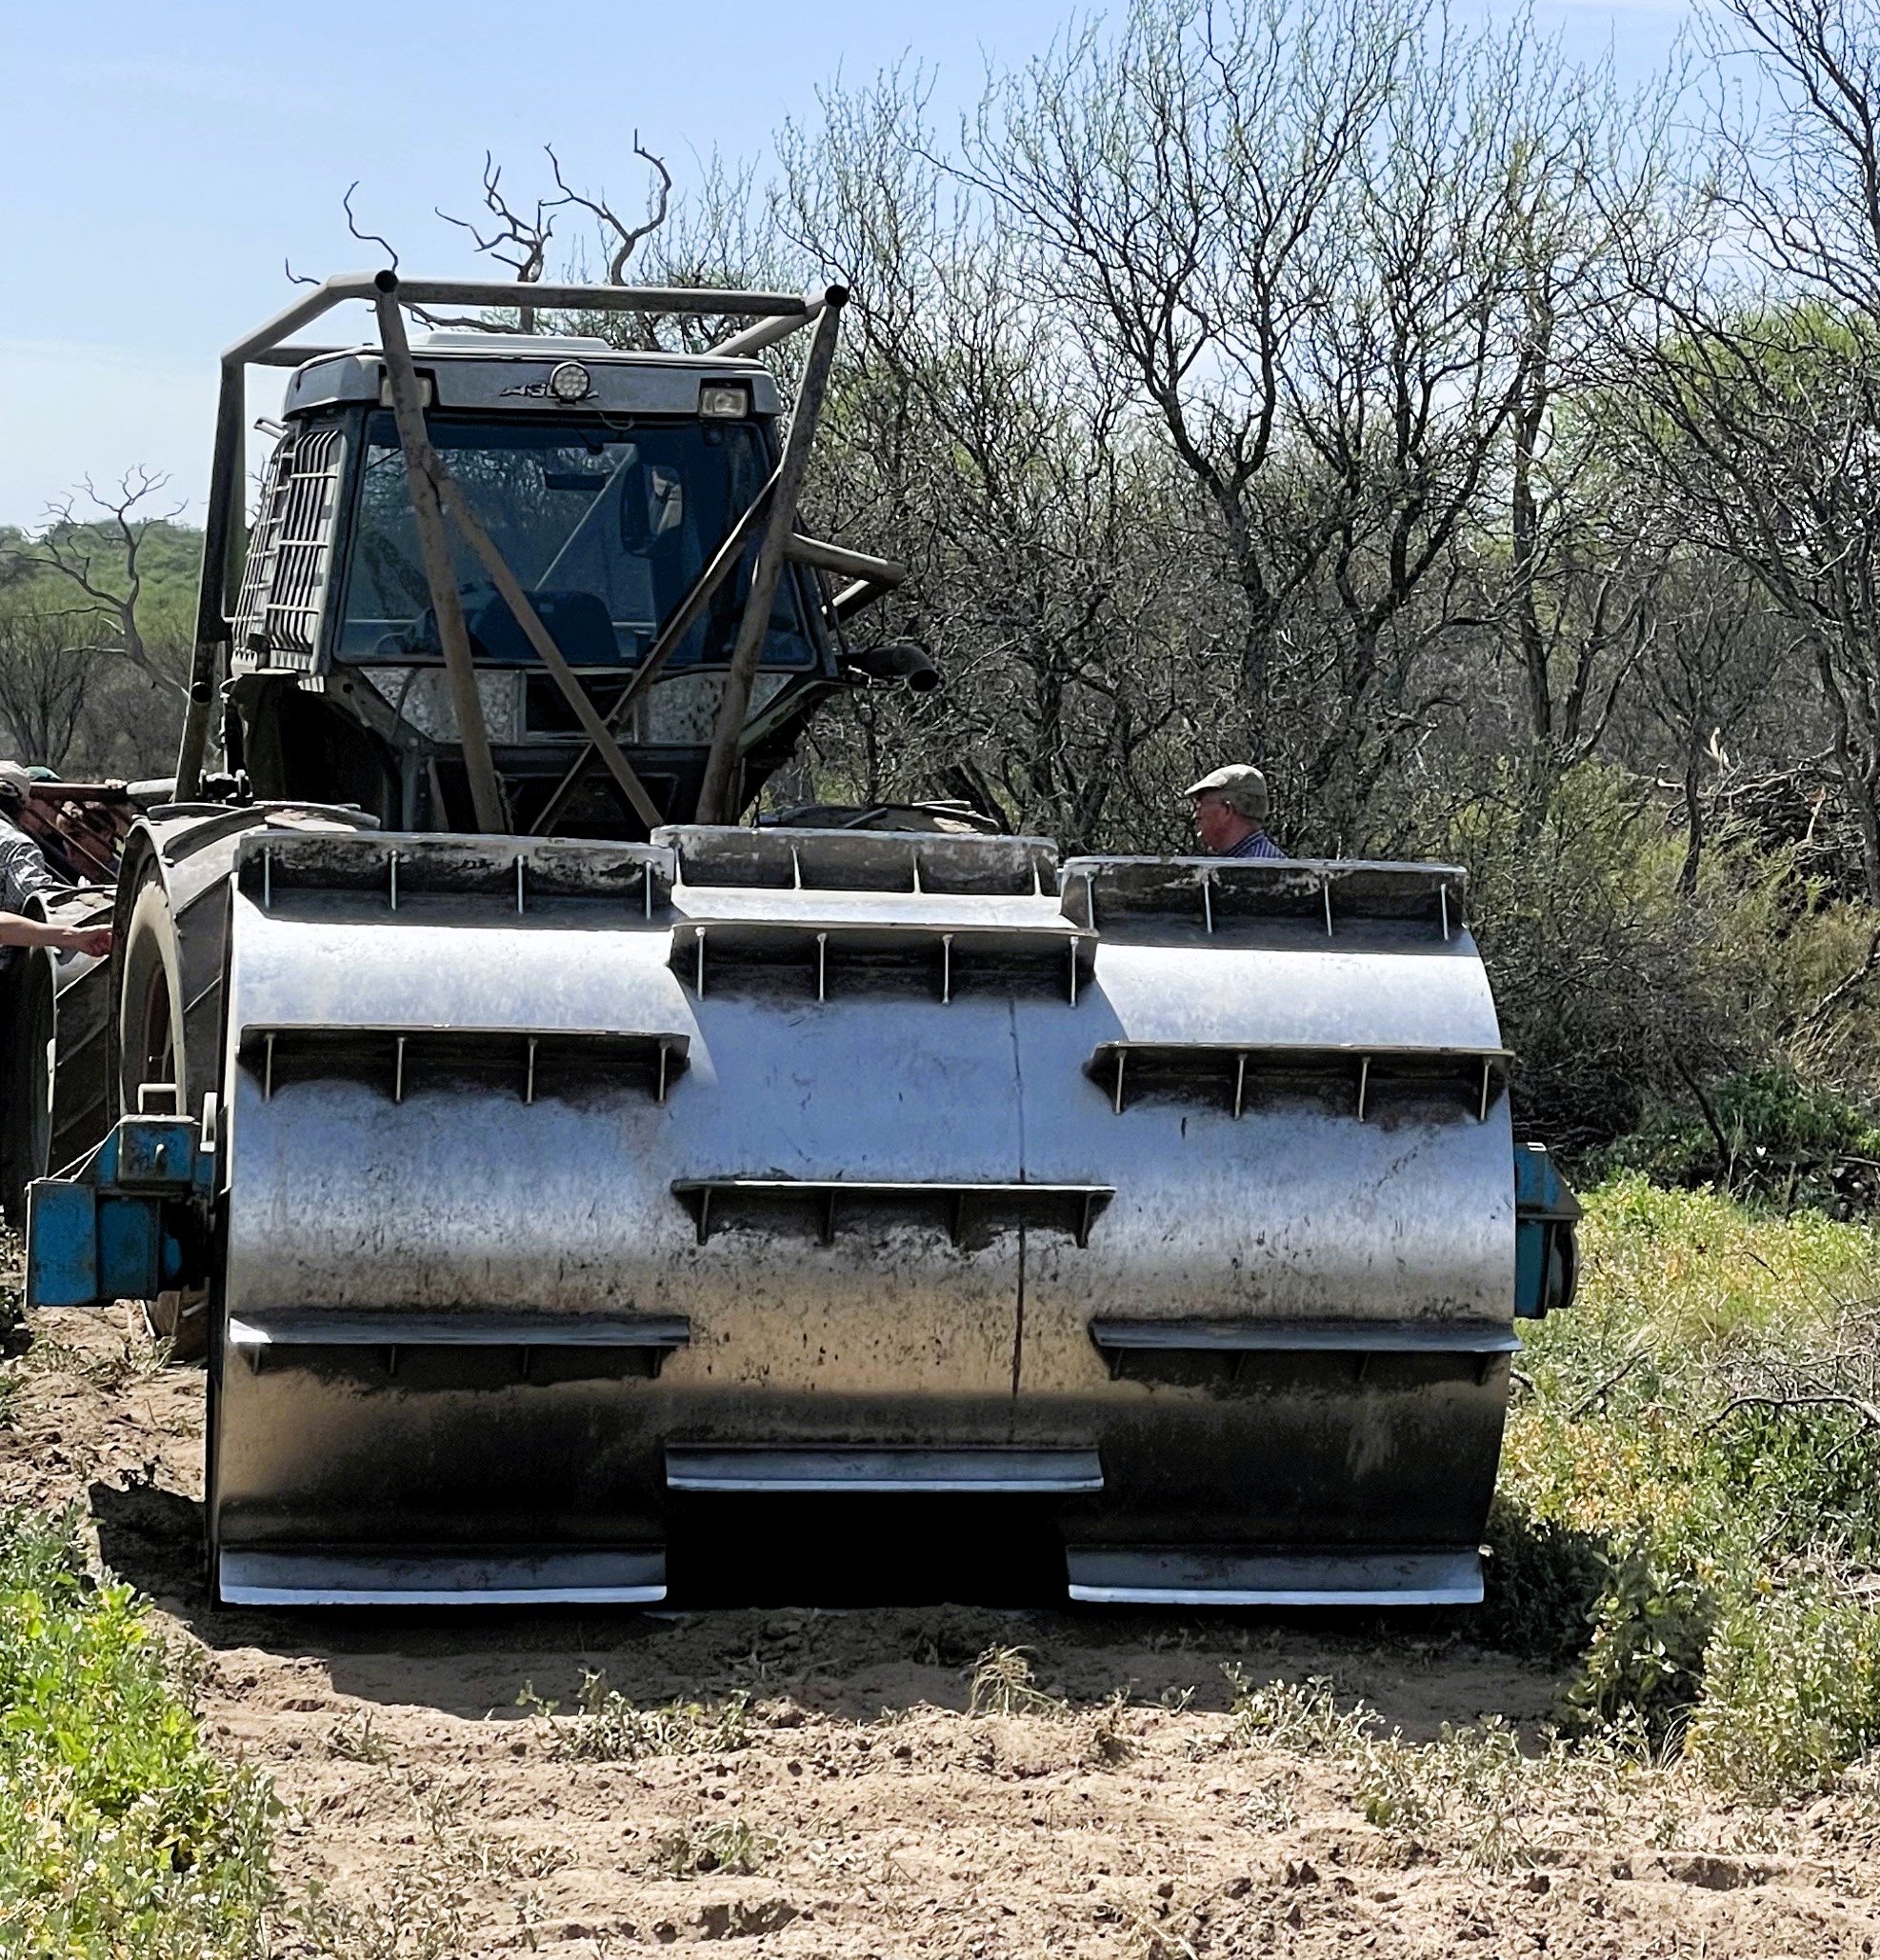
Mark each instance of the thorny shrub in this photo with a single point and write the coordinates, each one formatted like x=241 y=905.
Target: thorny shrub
x=1791 y=1689
x=1479 y=1795
x=1302 y=1717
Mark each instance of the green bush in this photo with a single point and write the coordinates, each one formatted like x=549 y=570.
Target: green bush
x=120 y=1836
x=1629 y=991
x=1782 y=1138
x=1690 y=1495
x=1791 y=1691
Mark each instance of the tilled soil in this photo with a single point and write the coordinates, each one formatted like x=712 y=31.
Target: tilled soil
x=837 y=1794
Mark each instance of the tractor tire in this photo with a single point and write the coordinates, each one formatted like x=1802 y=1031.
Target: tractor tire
x=150 y=1048
x=26 y=1095
x=149 y=1004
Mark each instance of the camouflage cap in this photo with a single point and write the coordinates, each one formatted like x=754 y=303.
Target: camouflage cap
x=1238 y=784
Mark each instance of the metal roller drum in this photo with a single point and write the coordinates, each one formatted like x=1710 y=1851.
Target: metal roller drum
x=566 y=1187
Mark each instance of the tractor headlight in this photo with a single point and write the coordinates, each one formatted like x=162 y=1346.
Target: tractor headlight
x=571 y=381
x=726 y=401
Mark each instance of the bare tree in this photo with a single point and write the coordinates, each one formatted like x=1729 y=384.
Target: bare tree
x=100 y=556
x=1712 y=651
x=619 y=239
x=1344 y=262
x=1178 y=189
x=520 y=243
x=1753 y=392
x=1576 y=565
x=1800 y=172
x=974 y=443
x=45 y=681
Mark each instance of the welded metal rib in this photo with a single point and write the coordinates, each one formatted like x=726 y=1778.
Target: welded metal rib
x=1071 y=1206
x=1234 y=1069
x=401 y=1577
x=1303 y=1337
x=537 y=1062
x=888 y=1470
x=318 y=1327
x=1203 y=1575
x=941 y=952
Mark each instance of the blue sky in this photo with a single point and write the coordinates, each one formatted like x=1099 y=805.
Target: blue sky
x=158 y=161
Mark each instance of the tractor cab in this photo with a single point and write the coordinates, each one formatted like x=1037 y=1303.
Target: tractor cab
x=609 y=482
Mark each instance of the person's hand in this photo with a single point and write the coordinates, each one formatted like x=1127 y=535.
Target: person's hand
x=94 y=940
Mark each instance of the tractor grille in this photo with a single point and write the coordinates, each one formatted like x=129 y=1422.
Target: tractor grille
x=284 y=586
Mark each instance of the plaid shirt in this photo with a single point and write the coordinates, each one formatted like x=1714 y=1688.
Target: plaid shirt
x=23 y=869
x=1255 y=843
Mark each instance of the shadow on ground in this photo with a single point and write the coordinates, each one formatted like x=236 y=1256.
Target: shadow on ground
x=852 y=1622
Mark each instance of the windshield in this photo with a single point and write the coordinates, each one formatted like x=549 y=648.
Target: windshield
x=605 y=524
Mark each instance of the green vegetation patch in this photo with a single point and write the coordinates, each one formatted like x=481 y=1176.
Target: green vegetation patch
x=1764 y=1133
x=120 y=1836
x=1690 y=1486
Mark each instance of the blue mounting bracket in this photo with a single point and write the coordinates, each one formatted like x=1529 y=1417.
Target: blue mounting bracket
x=1547 y=1257
x=127 y=1221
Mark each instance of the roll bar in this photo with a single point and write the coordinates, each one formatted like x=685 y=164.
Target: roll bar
x=775 y=315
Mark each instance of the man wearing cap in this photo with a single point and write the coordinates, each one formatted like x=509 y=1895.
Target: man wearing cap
x=1230 y=812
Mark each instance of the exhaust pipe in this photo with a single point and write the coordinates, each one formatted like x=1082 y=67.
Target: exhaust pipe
x=900 y=660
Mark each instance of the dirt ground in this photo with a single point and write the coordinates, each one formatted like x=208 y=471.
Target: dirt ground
x=839 y=1796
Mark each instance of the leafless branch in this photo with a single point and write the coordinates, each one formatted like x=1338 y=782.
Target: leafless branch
x=366 y=237
x=525 y=237
x=626 y=237
x=1868 y=1413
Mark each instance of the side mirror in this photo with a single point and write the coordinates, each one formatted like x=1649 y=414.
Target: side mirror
x=900 y=660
